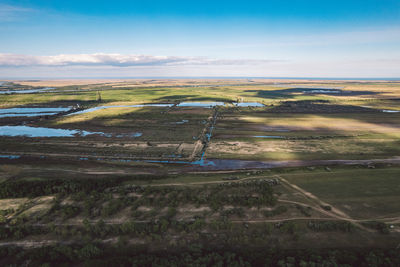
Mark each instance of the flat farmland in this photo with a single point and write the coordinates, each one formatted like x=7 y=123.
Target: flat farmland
x=265 y=134
x=166 y=164
x=362 y=194
x=145 y=132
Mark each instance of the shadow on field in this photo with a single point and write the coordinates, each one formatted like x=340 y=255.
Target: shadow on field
x=285 y=93
x=326 y=108
x=304 y=130
x=193 y=98
x=318 y=106
x=174 y=98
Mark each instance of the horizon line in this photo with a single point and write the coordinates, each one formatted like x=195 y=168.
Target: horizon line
x=196 y=77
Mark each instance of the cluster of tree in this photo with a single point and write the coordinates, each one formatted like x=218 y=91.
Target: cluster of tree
x=236 y=235
x=146 y=229
x=105 y=203
x=221 y=231
x=34 y=188
x=92 y=254
x=69 y=211
x=19 y=231
x=233 y=211
x=141 y=229
x=331 y=226
x=6 y=212
x=277 y=211
x=90 y=205
x=305 y=211
x=288 y=228
x=380 y=226
x=327 y=207
x=216 y=197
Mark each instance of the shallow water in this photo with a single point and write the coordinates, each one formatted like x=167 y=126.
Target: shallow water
x=27 y=114
x=9 y=157
x=29 y=91
x=250 y=104
x=121 y=106
x=213 y=104
x=182 y=122
x=127 y=135
x=200 y=162
x=182 y=104
x=390 y=111
x=200 y=104
x=322 y=91
x=268 y=136
x=42 y=132
x=232 y=164
x=383 y=110
x=30 y=112
x=52 y=132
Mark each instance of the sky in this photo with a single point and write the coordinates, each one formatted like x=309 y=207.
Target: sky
x=269 y=38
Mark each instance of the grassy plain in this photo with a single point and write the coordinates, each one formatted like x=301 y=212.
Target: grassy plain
x=161 y=189
x=361 y=193
x=306 y=136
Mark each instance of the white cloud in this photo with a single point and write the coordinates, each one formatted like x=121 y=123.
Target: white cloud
x=334 y=69
x=119 y=60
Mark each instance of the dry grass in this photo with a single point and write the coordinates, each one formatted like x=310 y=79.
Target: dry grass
x=41 y=205
x=12 y=203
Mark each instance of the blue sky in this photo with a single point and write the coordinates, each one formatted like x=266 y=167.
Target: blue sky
x=267 y=38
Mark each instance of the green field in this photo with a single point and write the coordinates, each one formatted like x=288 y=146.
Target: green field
x=324 y=175
x=361 y=193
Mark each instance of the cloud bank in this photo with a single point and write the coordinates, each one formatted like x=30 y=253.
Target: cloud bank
x=100 y=59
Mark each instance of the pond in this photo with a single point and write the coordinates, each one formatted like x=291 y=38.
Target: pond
x=213 y=104
x=200 y=104
x=41 y=132
x=9 y=157
x=30 y=112
x=390 y=111
x=249 y=104
x=268 y=136
x=182 y=122
x=28 y=91
x=29 y=131
x=321 y=91
x=121 y=106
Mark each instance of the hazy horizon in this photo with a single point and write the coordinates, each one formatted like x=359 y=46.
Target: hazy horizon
x=202 y=78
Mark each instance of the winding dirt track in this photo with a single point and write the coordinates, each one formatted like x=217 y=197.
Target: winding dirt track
x=333 y=212
x=339 y=213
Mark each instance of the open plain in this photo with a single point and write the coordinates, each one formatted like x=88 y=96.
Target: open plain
x=162 y=165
